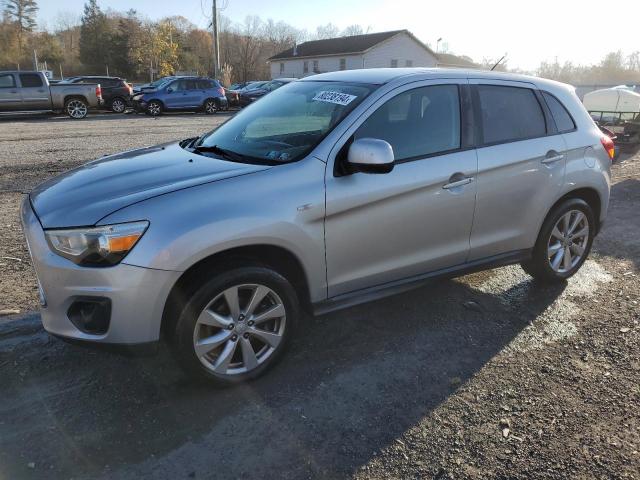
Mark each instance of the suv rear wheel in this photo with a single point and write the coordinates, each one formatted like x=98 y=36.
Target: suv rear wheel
x=236 y=325
x=564 y=242
x=118 y=105
x=210 y=106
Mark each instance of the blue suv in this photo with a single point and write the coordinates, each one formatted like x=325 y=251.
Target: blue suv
x=182 y=93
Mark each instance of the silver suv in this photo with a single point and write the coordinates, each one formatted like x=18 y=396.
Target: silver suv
x=331 y=191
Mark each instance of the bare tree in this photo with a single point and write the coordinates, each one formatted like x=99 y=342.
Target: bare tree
x=326 y=31
x=352 y=30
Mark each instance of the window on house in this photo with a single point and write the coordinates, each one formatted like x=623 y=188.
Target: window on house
x=343 y=64
x=305 y=67
x=315 y=67
x=394 y=63
x=408 y=63
x=281 y=67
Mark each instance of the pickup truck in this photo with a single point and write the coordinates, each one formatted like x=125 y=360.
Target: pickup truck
x=23 y=91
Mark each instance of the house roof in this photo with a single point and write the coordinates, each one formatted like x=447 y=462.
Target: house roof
x=342 y=45
x=448 y=59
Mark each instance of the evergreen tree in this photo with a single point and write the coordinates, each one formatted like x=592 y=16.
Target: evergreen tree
x=23 y=14
x=95 y=38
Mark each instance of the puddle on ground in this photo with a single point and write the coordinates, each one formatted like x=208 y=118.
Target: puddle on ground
x=514 y=289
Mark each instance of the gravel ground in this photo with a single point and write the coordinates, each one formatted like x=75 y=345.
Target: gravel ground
x=486 y=376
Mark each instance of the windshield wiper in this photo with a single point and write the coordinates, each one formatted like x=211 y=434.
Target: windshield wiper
x=224 y=153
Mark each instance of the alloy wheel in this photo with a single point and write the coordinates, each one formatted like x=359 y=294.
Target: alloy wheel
x=76 y=109
x=240 y=329
x=210 y=107
x=568 y=241
x=118 y=106
x=154 y=108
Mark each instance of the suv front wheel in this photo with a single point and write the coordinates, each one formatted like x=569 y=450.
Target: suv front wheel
x=236 y=325
x=564 y=242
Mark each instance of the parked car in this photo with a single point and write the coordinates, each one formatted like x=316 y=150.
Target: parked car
x=116 y=92
x=183 y=93
x=250 y=95
x=24 y=91
x=152 y=85
x=334 y=190
x=233 y=92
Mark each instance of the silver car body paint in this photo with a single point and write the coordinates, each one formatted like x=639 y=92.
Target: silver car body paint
x=349 y=233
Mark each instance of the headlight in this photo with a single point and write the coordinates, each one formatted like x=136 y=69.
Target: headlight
x=99 y=246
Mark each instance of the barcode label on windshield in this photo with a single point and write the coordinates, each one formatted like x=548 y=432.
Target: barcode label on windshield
x=334 y=97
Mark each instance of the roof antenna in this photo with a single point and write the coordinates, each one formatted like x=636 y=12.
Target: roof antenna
x=498 y=62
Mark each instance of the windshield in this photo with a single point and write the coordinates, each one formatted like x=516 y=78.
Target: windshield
x=253 y=86
x=285 y=125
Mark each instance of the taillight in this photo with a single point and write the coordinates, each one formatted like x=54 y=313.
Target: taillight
x=130 y=87
x=99 y=91
x=609 y=146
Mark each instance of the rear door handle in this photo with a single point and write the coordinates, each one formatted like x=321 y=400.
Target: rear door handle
x=458 y=183
x=552 y=157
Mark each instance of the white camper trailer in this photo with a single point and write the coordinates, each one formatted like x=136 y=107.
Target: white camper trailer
x=613 y=106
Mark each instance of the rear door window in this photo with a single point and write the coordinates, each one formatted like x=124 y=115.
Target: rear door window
x=205 y=84
x=7 y=81
x=417 y=123
x=510 y=114
x=29 y=80
x=561 y=116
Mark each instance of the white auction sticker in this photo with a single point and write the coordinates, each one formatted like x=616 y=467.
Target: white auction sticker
x=334 y=97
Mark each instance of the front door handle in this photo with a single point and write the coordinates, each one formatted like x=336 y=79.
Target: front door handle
x=552 y=157
x=457 y=182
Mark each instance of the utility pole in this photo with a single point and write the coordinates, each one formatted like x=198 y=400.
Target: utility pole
x=216 y=44
x=35 y=60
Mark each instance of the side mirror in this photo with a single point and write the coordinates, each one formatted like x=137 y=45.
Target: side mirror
x=370 y=155
x=170 y=89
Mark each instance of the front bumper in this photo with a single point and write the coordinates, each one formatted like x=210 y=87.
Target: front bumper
x=137 y=295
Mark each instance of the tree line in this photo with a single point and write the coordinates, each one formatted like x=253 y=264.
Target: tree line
x=129 y=45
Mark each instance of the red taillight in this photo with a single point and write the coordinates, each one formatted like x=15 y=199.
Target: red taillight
x=609 y=146
x=99 y=91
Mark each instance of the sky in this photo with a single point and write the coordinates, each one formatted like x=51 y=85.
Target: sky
x=528 y=32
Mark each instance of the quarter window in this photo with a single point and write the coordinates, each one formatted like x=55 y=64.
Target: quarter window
x=510 y=113
x=561 y=116
x=7 y=81
x=417 y=123
x=30 y=80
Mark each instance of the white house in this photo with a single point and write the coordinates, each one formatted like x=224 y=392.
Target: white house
x=398 y=48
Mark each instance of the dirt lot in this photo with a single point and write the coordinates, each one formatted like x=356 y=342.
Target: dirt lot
x=487 y=376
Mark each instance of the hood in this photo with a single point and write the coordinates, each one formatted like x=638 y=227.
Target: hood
x=83 y=196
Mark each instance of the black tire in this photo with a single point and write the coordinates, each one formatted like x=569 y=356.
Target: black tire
x=539 y=266
x=76 y=108
x=118 y=105
x=154 y=108
x=182 y=340
x=210 y=106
